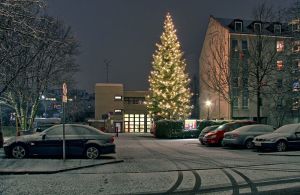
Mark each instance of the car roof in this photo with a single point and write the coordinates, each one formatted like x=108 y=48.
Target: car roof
x=252 y=126
x=75 y=125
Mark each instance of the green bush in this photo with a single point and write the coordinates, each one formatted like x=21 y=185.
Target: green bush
x=191 y=133
x=168 y=129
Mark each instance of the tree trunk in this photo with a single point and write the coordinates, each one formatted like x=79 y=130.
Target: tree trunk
x=258 y=105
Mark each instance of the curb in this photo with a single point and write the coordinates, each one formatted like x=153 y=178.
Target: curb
x=56 y=171
x=273 y=154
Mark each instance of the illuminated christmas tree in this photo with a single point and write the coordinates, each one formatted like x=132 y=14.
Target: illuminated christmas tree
x=170 y=95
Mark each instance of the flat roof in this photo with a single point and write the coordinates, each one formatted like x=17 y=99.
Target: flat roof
x=109 y=84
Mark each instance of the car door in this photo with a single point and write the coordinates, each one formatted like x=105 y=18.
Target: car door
x=76 y=136
x=49 y=142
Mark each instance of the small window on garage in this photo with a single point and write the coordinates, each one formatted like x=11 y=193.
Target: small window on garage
x=118 y=98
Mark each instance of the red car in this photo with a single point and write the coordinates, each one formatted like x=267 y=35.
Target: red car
x=216 y=136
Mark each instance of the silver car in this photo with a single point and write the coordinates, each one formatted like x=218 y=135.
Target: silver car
x=282 y=139
x=244 y=136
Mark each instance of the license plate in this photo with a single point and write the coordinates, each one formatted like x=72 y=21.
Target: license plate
x=257 y=144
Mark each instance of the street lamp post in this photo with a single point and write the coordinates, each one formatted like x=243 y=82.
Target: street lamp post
x=45 y=106
x=208 y=104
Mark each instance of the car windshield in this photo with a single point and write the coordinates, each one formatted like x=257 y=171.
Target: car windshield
x=287 y=129
x=210 y=128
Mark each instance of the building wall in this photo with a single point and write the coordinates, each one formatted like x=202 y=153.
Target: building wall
x=133 y=117
x=217 y=49
x=216 y=39
x=105 y=99
x=133 y=108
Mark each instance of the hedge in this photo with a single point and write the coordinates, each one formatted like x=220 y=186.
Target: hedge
x=168 y=129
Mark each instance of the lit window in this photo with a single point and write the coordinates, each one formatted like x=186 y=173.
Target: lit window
x=118 y=97
x=238 y=26
x=279 y=64
x=296 y=86
x=280 y=46
x=277 y=29
x=118 y=111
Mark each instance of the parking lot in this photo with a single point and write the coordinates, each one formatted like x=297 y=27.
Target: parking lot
x=179 y=166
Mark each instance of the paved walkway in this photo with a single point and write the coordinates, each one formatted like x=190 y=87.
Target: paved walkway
x=48 y=166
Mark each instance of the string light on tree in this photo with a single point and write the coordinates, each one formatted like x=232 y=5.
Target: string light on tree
x=169 y=96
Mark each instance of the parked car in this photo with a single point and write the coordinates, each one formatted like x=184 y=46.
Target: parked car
x=244 y=136
x=285 y=137
x=205 y=131
x=81 y=140
x=216 y=136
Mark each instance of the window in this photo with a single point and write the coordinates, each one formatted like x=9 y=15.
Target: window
x=296 y=85
x=77 y=130
x=277 y=29
x=296 y=66
x=280 y=46
x=279 y=65
x=279 y=83
x=118 y=111
x=134 y=100
x=235 y=82
x=235 y=94
x=257 y=27
x=234 y=46
x=296 y=46
x=235 y=103
x=238 y=26
x=245 y=83
x=296 y=27
x=245 y=70
x=118 y=97
x=57 y=130
x=295 y=104
x=245 y=100
x=244 y=46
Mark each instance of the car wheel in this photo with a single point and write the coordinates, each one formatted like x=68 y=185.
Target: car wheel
x=92 y=152
x=281 y=146
x=18 y=151
x=249 y=144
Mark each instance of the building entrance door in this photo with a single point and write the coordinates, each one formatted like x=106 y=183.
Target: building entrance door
x=136 y=123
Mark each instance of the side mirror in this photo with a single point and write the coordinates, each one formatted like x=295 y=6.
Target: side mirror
x=43 y=136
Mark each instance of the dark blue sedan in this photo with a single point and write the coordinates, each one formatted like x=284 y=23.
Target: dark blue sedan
x=81 y=140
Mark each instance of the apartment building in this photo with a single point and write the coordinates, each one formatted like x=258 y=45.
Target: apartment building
x=226 y=64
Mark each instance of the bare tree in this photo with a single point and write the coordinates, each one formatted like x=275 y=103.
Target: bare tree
x=51 y=63
x=17 y=30
x=217 y=74
x=262 y=57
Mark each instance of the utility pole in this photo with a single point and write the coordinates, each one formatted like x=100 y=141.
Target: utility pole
x=107 y=64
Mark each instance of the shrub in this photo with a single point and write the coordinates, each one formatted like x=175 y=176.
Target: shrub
x=168 y=129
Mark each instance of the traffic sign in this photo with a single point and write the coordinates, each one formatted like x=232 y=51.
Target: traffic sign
x=65 y=92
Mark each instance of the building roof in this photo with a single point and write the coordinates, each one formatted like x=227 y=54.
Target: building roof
x=109 y=84
x=267 y=28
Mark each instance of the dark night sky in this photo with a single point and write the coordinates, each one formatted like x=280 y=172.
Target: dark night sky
x=125 y=31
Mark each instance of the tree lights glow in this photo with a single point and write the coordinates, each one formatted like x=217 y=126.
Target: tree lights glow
x=170 y=95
